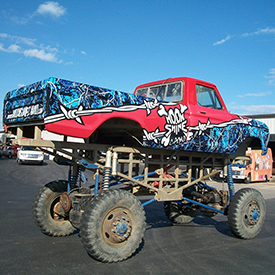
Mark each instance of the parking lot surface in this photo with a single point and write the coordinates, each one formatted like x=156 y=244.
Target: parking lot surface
x=205 y=246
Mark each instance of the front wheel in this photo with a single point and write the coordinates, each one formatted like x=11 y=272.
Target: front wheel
x=48 y=213
x=248 y=179
x=246 y=213
x=112 y=226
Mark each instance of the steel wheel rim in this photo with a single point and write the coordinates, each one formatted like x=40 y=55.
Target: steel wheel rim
x=117 y=226
x=251 y=214
x=57 y=212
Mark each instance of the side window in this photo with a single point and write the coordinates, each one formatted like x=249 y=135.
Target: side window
x=173 y=92
x=153 y=92
x=207 y=97
x=161 y=93
x=142 y=91
x=165 y=92
x=157 y=92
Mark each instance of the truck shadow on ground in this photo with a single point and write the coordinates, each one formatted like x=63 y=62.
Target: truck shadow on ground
x=156 y=218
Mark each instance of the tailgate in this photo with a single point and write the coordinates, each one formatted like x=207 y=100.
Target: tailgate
x=26 y=104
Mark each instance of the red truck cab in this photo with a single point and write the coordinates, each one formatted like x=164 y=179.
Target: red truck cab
x=202 y=98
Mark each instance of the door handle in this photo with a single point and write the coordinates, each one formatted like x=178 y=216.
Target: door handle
x=202 y=112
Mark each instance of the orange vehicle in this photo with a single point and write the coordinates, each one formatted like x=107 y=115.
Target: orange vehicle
x=253 y=167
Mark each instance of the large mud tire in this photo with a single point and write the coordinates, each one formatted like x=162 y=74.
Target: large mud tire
x=246 y=213
x=179 y=214
x=45 y=217
x=113 y=225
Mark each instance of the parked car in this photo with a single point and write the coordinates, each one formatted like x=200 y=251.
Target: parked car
x=8 y=152
x=28 y=154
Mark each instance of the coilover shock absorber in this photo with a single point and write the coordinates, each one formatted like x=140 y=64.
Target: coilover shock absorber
x=107 y=171
x=230 y=181
x=73 y=177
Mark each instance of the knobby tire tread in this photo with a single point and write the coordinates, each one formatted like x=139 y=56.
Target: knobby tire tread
x=92 y=220
x=236 y=213
x=41 y=209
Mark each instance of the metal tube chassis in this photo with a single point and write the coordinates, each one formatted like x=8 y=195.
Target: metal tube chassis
x=166 y=174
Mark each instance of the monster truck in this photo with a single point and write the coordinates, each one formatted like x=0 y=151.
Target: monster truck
x=163 y=141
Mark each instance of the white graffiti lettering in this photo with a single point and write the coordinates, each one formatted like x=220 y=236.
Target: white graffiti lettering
x=175 y=116
x=175 y=123
x=175 y=127
x=26 y=111
x=150 y=105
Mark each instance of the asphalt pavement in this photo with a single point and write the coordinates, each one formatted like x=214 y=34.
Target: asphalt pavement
x=205 y=246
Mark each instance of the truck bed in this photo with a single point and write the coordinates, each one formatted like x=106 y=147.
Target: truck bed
x=41 y=100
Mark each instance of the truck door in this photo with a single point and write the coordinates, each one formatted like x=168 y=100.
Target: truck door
x=210 y=108
x=209 y=119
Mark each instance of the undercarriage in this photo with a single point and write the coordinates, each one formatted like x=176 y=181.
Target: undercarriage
x=110 y=208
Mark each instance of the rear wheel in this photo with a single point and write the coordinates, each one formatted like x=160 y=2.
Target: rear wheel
x=248 y=179
x=112 y=226
x=48 y=214
x=178 y=213
x=246 y=213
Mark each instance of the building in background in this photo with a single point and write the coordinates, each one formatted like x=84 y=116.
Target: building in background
x=269 y=120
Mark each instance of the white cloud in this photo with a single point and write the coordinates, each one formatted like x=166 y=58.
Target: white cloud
x=266 y=31
x=2 y=48
x=50 y=8
x=11 y=49
x=260 y=31
x=261 y=94
x=40 y=54
x=3 y=35
x=20 y=20
x=27 y=47
x=14 y=48
x=271 y=77
x=18 y=39
x=83 y=52
x=228 y=37
x=49 y=48
x=253 y=109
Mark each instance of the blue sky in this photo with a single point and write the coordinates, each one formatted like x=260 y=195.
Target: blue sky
x=121 y=44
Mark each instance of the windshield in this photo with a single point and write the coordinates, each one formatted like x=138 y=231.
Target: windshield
x=27 y=148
